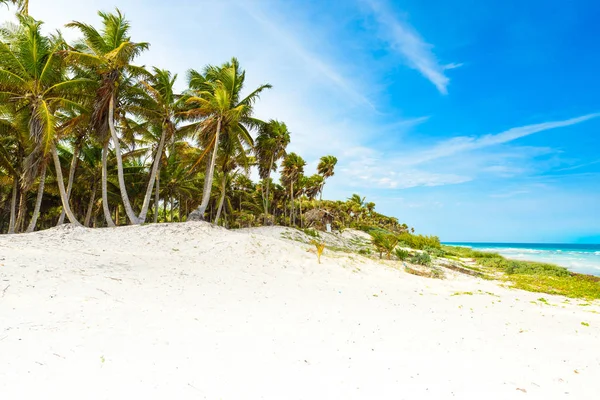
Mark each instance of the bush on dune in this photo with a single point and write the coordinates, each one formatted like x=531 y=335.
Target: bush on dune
x=420 y=242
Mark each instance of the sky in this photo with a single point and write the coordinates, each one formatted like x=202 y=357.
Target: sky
x=470 y=120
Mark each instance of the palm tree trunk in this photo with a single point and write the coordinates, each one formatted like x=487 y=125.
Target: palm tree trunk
x=61 y=188
x=13 y=205
x=172 y=207
x=156 y=197
x=61 y=219
x=38 y=200
x=198 y=214
x=22 y=211
x=292 y=208
x=88 y=215
x=109 y=221
x=148 y=196
x=126 y=203
x=221 y=200
x=266 y=200
x=300 y=207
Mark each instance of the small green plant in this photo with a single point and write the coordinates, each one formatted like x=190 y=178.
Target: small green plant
x=312 y=233
x=585 y=324
x=320 y=248
x=437 y=272
x=434 y=252
x=419 y=242
x=365 y=252
x=421 y=259
x=384 y=243
x=543 y=300
x=401 y=254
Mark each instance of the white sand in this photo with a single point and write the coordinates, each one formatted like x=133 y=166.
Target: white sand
x=190 y=311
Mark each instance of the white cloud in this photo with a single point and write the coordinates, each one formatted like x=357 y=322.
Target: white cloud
x=463 y=144
x=404 y=39
x=453 y=65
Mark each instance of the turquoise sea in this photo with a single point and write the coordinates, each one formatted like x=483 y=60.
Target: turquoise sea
x=582 y=258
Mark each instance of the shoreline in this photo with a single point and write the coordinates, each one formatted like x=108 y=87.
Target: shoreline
x=578 y=258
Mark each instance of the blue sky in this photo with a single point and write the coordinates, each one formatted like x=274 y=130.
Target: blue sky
x=472 y=120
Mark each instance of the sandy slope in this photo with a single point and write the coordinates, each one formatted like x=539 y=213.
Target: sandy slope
x=190 y=311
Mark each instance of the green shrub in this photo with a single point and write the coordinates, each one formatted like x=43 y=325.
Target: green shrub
x=401 y=254
x=421 y=259
x=384 y=243
x=312 y=233
x=365 y=252
x=437 y=272
x=420 y=242
x=435 y=252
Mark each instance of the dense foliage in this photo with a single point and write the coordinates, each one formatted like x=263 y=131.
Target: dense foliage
x=88 y=136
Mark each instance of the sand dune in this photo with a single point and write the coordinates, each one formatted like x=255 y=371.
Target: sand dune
x=191 y=311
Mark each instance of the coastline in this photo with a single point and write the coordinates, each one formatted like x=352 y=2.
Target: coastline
x=578 y=258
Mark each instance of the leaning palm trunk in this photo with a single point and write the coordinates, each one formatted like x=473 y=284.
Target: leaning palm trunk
x=300 y=208
x=61 y=188
x=22 y=211
x=148 y=196
x=109 y=221
x=156 y=197
x=292 y=211
x=38 y=200
x=61 y=219
x=266 y=192
x=221 y=200
x=198 y=214
x=126 y=203
x=13 y=206
x=88 y=214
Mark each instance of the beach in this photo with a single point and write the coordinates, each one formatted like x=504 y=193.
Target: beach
x=193 y=311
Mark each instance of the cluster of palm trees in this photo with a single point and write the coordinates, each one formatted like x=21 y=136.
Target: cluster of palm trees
x=87 y=135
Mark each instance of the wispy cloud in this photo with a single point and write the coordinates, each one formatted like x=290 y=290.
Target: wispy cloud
x=378 y=170
x=453 y=65
x=463 y=143
x=404 y=39
x=313 y=61
x=445 y=162
x=573 y=167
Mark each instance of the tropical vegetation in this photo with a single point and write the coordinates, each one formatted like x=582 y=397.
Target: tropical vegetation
x=90 y=137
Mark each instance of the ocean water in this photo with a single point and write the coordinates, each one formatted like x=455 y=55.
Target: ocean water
x=582 y=258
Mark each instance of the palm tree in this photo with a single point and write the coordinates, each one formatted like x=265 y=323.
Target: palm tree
x=313 y=186
x=109 y=53
x=215 y=105
x=232 y=156
x=356 y=204
x=22 y=4
x=370 y=206
x=271 y=142
x=73 y=124
x=10 y=159
x=33 y=77
x=156 y=101
x=293 y=168
x=326 y=169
